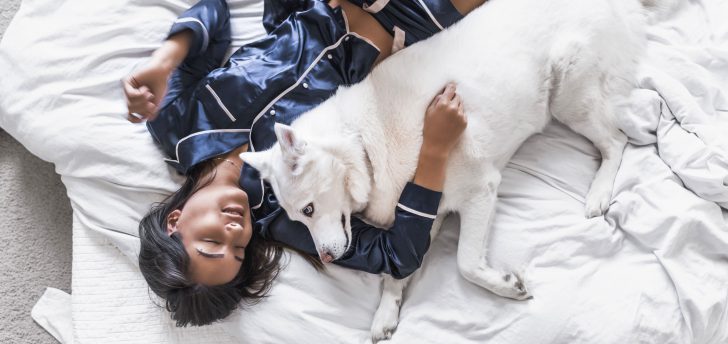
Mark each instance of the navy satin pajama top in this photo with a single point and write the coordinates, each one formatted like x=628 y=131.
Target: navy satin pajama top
x=308 y=53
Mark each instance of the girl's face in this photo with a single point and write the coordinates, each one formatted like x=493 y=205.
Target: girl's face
x=215 y=227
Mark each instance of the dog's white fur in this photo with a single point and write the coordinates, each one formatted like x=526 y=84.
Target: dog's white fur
x=516 y=63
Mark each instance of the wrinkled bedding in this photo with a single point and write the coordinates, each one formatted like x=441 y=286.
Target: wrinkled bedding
x=654 y=269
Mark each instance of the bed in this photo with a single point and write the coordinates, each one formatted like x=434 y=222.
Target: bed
x=654 y=269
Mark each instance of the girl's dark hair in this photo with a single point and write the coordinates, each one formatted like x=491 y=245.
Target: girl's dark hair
x=164 y=262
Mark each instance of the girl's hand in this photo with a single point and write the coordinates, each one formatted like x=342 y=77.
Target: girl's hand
x=145 y=88
x=445 y=121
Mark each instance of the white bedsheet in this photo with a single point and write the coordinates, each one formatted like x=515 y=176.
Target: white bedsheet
x=653 y=270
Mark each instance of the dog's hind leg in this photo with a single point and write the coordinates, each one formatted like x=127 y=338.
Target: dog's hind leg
x=610 y=142
x=476 y=216
x=582 y=100
x=386 y=317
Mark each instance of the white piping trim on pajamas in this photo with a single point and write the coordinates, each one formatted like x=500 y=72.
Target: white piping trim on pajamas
x=398 y=42
x=206 y=39
x=219 y=102
x=365 y=40
x=348 y=32
x=262 y=192
x=176 y=148
x=300 y=79
x=346 y=20
x=377 y=6
x=419 y=213
x=304 y=75
x=432 y=17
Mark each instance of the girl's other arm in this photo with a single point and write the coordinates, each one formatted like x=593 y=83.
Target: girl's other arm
x=145 y=88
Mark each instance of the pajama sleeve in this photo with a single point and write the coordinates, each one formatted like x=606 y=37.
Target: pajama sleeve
x=276 y=11
x=203 y=19
x=398 y=251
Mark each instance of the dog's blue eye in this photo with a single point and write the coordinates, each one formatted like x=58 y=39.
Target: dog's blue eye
x=308 y=210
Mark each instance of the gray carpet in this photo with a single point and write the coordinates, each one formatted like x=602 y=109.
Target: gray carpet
x=35 y=231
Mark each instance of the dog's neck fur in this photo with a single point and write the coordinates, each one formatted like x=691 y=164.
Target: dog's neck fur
x=356 y=137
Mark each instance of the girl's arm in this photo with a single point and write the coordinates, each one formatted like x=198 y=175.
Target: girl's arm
x=145 y=88
x=188 y=38
x=400 y=250
x=445 y=121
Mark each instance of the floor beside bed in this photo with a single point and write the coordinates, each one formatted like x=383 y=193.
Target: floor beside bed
x=35 y=227
x=36 y=250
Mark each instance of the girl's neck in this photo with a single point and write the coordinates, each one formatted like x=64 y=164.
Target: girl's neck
x=227 y=167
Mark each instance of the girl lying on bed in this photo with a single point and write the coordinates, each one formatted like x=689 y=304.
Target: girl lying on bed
x=218 y=240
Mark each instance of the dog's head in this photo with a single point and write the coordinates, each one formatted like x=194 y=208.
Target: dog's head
x=316 y=185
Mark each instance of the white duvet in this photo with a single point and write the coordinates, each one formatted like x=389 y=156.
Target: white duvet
x=654 y=269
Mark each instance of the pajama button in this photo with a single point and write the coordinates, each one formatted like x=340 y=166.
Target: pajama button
x=305 y=85
x=329 y=56
x=347 y=38
x=272 y=112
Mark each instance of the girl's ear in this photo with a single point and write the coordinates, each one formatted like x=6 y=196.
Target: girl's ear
x=172 y=219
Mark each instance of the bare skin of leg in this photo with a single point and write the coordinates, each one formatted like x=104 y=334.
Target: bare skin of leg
x=465 y=6
x=364 y=24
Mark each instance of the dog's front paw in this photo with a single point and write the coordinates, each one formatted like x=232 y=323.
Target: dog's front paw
x=385 y=321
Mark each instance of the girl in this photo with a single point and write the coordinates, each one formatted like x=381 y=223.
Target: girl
x=218 y=240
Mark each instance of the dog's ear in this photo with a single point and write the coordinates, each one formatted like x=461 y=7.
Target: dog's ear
x=260 y=161
x=292 y=146
x=358 y=184
x=357 y=179
x=356 y=175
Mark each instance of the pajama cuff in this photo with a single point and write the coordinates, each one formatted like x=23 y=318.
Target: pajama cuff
x=419 y=201
x=202 y=36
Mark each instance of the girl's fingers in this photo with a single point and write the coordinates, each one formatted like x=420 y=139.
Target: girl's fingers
x=134 y=117
x=435 y=100
x=136 y=97
x=141 y=111
x=129 y=89
x=144 y=97
x=449 y=92
x=149 y=108
x=140 y=101
x=137 y=104
x=457 y=100
x=136 y=114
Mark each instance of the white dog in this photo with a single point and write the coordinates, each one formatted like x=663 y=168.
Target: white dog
x=517 y=64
